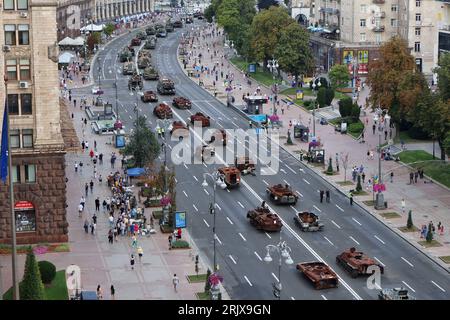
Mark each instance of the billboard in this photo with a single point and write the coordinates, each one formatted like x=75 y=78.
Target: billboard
x=347 y=59
x=180 y=219
x=363 y=61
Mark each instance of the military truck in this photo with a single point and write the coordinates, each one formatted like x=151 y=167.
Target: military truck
x=150 y=30
x=262 y=219
x=232 y=176
x=163 y=111
x=282 y=194
x=319 y=274
x=165 y=86
x=144 y=62
x=395 y=294
x=151 y=73
x=128 y=68
x=135 y=81
x=308 y=221
x=141 y=35
x=357 y=263
x=125 y=55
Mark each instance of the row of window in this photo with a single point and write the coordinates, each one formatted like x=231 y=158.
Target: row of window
x=24 y=174
x=20 y=104
x=21 y=138
x=363 y=38
x=22 y=65
x=362 y=22
x=394 y=7
x=19 y=34
x=15 y=4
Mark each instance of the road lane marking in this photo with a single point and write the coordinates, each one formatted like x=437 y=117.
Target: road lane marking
x=379 y=240
x=206 y=192
x=232 y=259
x=218 y=240
x=205 y=165
x=217 y=206
x=243 y=238
x=437 y=285
x=268 y=235
x=130 y=117
x=176 y=181
x=282 y=170
x=185 y=194
x=292 y=298
x=256 y=253
x=240 y=204
x=206 y=223
x=195 y=178
x=299 y=194
x=329 y=241
x=265 y=182
x=306 y=181
x=379 y=261
x=317 y=208
x=234 y=124
x=323 y=297
x=357 y=221
x=228 y=190
x=335 y=224
x=248 y=281
x=293 y=208
x=195 y=207
x=290 y=169
x=354 y=240
x=231 y=222
x=408 y=286
x=407 y=262
x=285 y=182
x=145 y=116
x=340 y=208
x=184 y=164
x=273 y=275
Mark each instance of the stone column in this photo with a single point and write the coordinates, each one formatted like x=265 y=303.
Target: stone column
x=120 y=4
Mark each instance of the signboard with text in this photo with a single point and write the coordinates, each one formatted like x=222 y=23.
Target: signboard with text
x=180 y=219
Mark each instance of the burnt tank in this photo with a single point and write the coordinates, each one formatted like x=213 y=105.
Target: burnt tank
x=232 y=176
x=263 y=219
x=319 y=274
x=282 y=194
x=357 y=263
x=308 y=221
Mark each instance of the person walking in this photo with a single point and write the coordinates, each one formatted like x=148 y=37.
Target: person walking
x=113 y=293
x=86 y=188
x=97 y=204
x=104 y=206
x=363 y=176
x=133 y=241
x=140 y=253
x=170 y=241
x=92 y=227
x=351 y=198
x=392 y=176
x=91 y=184
x=110 y=236
x=403 y=205
x=416 y=175
x=327 y=195
x=321 y=196
x=86 y=226
x=411 y=178
x=132 y=261
x=175 y=281
x=76 y=167
x=99 y=293
x=80 y=210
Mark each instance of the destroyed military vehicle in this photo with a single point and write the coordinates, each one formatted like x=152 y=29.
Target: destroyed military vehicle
x=128 y=68
x=263 y=219
x=165 y=86
x=163 y=111
x=181 y=103
x=150 y=73
x=135 y=82
x=149 y=96
x=231 y=176
x=319 y=274
x=245 y=165
x=357 y=263
x=308 y=221
x=200 y=117
x=282 y=194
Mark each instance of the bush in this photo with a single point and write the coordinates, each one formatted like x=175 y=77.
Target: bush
x=307 y=103
x=356 y=127
x=329 y=96
x=417 y=133
x=345 y=107
x=180 y=244
x=207 y=284
x=31 y=287
x=409 y=223
x=355 y=111
x=47 y=270
x=321 y=98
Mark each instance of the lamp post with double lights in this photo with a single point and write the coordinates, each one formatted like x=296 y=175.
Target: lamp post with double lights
x=217 y=180
x=314 y=86
x=165 y=123
x=379 y=200
x=283 y=251
x=273 y=66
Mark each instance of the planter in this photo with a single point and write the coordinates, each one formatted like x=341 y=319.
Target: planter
x=38 y=248
x=157 y=214
x=166 y=229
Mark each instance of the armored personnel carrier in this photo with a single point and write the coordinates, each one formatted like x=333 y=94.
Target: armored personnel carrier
x=151 y=73
x=125 y=55
x=319 y=274
x=308 y=221
x=282 y=194
x=245 y=165
x=144 y=62
x=150 y=30
x=395 y=294
x=357 y=263
x=179 y=128
x=128 y=68
x=263 y=219
x=149 y=96
x=232 y=176
x=150 y=44
x=141 y=35
x=181 y=103
x=135 y=82
x=201 y=118
x=135 y=42
x=165 y=86
x=169 y=27
x=163 y=111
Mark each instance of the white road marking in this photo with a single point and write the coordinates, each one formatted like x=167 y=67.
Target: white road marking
x=248 y=281
x=220 y=125
x=205 y=165
x=268 y=235
x=323 y=297
x=290 y=169
x=379 y=240
x=185 y=194
x=335 y=224
x=195 y=178
x=329 y=241
x=292 y=298
x=218 y=240
x=437 y=285
x=379 y=261
x=243 y=238
x=195 y=207
x=240 y=204
x=206 y=192
x=231 y=222
x=357 y=221
x=340 y=208
x=299 y=194
x=256 y=253
x=407 y=262
x=282 y=170
x=285 y=182
x=145 y=116
x=232 y=259
x=265 y=182
x=302 y=170
x=354 y=240
x=317 y=208
x=293 y=208
x=206 y=223
x=217 y=206
x=130 y=117
x=234 y=124
x=273 y=275
x=184 y=164
x=306 y=181
x=176 y=181
x=408 y=286
x=228 y=190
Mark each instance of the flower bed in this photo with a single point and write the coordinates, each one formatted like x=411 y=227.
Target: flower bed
x=180 y=244
x=37 y=248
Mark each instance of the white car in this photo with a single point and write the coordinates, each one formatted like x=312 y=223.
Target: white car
x=97 y=90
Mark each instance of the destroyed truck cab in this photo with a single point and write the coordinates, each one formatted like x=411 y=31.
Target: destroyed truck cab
x=282 y=194
x=263 y=219
x=232 y=176
x=319 y=274
x=308 y=221
x=357 y=263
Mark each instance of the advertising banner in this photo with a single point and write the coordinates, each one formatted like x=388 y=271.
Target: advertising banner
x=180 y=219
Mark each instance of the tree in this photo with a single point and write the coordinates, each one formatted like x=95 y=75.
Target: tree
x=409 y=223
x=329 y=96
x=443 y=71
x=293 y=51
x=109 y=29
x=47 y=271
x=93 y=39
x=209 y=13
x=447 y=144
x=266 y=30
x=344 y=159
x=330 y=166
x=429 y=236
x=345 y=107
x=358 y=185
x=339 y=76
x=143 y=145
x=321 y=98
x=207 y=284
x=31 y=287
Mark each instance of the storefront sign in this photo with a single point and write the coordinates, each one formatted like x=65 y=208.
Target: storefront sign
x=363 y=61
x=24 y=205
x=347 y=58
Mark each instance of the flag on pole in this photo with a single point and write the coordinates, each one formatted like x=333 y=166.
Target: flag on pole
x=4 y=148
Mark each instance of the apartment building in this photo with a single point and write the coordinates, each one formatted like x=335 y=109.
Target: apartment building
x=29 y=62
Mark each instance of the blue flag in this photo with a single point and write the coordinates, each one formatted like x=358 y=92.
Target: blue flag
x=4 y=148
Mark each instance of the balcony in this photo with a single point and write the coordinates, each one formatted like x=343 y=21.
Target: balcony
x=381 y=14
x=379 y=1
x=378 y=29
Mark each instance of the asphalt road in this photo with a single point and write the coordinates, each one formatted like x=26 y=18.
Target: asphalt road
x=240 y=248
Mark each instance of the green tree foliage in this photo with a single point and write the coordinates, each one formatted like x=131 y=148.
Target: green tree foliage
x=409 y=223
x=358 y=185
x=330 y=166
x=323 y=84
x=443 y=71
x=447 y=144
x=329 y=96
x=339 y=76
x=143 y=145
x=293 y=51
x=345 y=107
x=429 y=236
x=109 y=29
x=321 y=97
x=47 y=270
x=93 y=39
x=266 y=30
x=209 y=13
x=31 y=287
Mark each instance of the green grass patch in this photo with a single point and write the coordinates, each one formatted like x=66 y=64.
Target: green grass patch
x=345 y=183
x=57 y=290
x=203 y=296
x=369 y=203
x=62 y=248
x=157 y=214
x=196 y=278
x=390 y=215
x=431 y=244
x=180 y=244
x=437 y=170
x=405 y=137
x=261 y=76
x=446 y=259
x=293 y=91
x=360 y=193
x=330 y=173
x=405 y=229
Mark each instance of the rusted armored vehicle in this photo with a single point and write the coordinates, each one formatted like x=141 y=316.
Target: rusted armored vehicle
x=179 y=128
x=181 y=103
x=282 y=194
x=163 y=111
x=308 y=221
x=319 y=274
x=150 y=30
x=395 y=294
x=219 y=137
x=232 y=176
x=165 y=86
x=263 y=219
x=128 y=68
x=200 y=117
x=150 y=44
x=245 y=165
x=141 y=35
x=131 y=49
x=357 y=263
x=144 y=62
x=178 y=24
x=150 y=73
x=135 y=42
x=205 y=152
x=149 y=96
x=144 y=53
x=135 y=82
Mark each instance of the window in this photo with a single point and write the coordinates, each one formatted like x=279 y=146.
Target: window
x=362 y=22
x=27 y=138
x=394 y=23
x=378 y=37
x=24 y=38
x=25 y=216
x=417 y=30
x=8 y=4
x=417 y=3
x=25 y=69
x=416 y=46
x=30 y=173
x=11 y=69
x=362 y=37
x=394 y=8
x=363 y=8
x=10 y=34
x=15 y=138
x=418 y=17
x=15 y=174
x=13 y=104
x=26 y=106
x=22 y=4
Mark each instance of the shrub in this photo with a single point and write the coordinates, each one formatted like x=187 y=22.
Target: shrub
x=207 y=284
x=321 y=99
x=356 y=127
x=180 y=244
x=345 y=107
x=47 y=270
x=31 y=287
x=359 y=186
x=307 y=103
x=355 y=111
x=429 y=236
x=409 y=223
x=329 y=96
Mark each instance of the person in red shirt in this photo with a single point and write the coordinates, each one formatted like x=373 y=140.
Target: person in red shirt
x=179 y=233
x=91 y=154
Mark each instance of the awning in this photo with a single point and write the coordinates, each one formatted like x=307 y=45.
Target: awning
x=93 y=28
x=135 y=172
x=65 y=57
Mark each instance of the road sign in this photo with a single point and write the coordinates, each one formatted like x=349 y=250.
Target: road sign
x=252 y=67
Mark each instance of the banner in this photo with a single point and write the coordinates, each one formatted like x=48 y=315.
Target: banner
x=4 y=147
x=347 y=58
x=363 y=61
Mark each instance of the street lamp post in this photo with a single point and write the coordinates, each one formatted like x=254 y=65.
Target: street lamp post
x=314 y=86
x=218 y=180
x=283 y=251
x=379 y=203
x=272 y=65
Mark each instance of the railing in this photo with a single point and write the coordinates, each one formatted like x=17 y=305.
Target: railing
x=378 y=29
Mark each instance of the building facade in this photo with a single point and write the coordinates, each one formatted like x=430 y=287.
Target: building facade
x=29 y=62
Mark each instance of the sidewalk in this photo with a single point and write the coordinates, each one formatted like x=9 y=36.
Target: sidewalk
x=425 y=208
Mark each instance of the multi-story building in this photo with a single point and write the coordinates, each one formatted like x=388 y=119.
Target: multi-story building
x=443 y=23
x=29 y=62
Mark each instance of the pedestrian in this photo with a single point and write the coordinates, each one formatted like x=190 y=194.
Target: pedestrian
x=327 y=194
x=91 y=184
x=104 y=206
x=133 y=241
x=392 y=176
x=113 y=292
x=92 y=228
x=100 y=158
x=86 y=226
x=175 y=281
x=373 y=128
x=81 y=166
x=411 y=178
x=416 y=175
x=170 y=241
x=97 y=204
x=100 y=179
x=363 y=176
x=403 y=205
x=110 y=236
x=94 y=218
x=86 y=188
x=76 y=167
x=111 y=221
x=99 y=290
x=321 y=195
x=351 y=198
x=132 y=261
x=140 y=253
